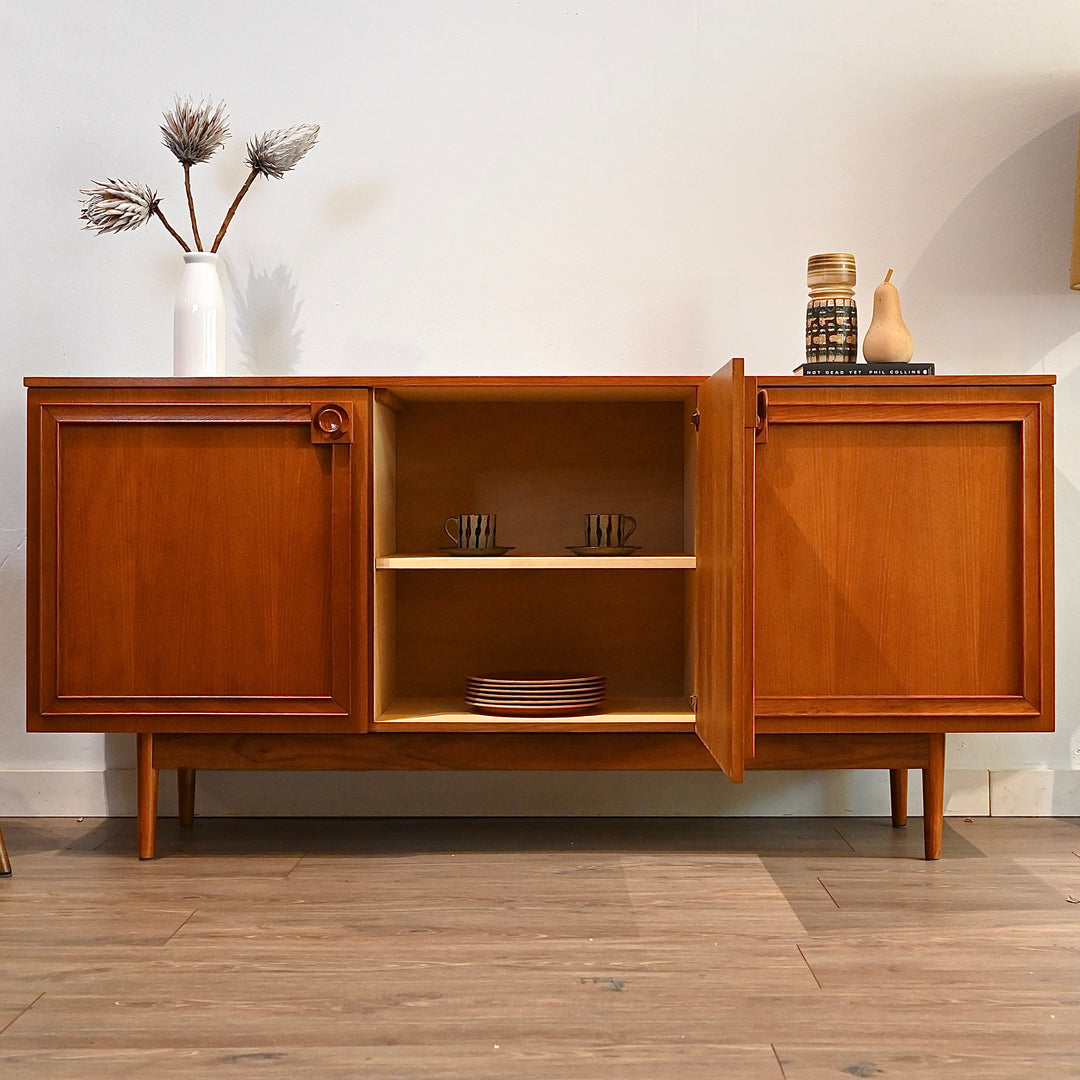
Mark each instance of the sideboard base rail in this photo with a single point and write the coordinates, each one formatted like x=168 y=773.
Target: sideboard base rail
x=188 y=753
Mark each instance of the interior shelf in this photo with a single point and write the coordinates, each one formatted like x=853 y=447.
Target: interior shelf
x=536 y=562
x=541 y=462
x=619 y=714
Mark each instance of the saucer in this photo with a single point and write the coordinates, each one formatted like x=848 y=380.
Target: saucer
x=476 y=551
x=604 y=550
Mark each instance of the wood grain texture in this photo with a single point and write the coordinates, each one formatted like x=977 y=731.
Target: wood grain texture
x=776 y=949
x=194 y=560
x=900 y=546
x=856 y=750
x=898 y=796
x=185 y=796
x=536 y=562
x=933 y=786
x=457 y=623
x=540 y=750
x=909 y=533
x=856 y=563
x=723 y=580
x=541 y=466
x=468 y=746
x=444 y=386
x=147 y=776
x=449 y=750
x=614 y=715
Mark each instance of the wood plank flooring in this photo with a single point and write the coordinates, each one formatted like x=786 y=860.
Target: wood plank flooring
x=779 y=949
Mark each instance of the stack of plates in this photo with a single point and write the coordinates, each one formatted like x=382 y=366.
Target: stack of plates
x=534 y=694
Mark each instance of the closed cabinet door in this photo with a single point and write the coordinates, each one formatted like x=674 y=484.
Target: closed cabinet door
x=904 y=578
x=198 y=566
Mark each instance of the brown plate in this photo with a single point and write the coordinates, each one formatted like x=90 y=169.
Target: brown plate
x=604 y=550
x=489 y=688
x=529 y=710
x=524 y=679
x=534 y=703
x=475 y=551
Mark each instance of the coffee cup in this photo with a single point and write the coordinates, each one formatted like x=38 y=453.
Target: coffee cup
x=471 y=532
x=608 y=530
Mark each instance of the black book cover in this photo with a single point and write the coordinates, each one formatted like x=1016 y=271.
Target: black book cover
x=825 y=368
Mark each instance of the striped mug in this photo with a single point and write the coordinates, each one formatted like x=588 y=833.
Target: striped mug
x=471 y=531
x=608 y=530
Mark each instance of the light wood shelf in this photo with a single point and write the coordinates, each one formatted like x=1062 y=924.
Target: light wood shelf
x=623 y=714
x=536 y=562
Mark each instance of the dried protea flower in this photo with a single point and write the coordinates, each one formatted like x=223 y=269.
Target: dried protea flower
x=118 y=205
x=274 y=153
x=193 y=131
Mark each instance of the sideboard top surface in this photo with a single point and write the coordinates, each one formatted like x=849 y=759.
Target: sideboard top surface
x=405 y=383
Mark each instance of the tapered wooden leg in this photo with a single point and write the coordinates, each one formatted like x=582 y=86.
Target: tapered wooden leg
x=933 y=786
x=898 y=796
x=146 y=794
x=5 y=862
x=185 y=790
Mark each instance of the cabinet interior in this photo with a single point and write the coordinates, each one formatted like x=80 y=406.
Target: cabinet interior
x=540 y=460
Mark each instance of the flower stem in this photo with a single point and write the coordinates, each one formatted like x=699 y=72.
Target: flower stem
x=232 y=209
x=179 y=239
x=191 y=206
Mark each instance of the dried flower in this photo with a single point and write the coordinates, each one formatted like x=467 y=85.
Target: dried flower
x=118 y=205
x=194 y=131
x=274 y=153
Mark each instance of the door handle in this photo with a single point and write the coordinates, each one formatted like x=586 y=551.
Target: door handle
x=761 y=420
x=331 y=422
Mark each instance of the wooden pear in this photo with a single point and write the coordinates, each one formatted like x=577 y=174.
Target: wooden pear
x=887 y=338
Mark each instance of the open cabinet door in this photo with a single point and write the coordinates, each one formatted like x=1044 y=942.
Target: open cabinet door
x=724 y=601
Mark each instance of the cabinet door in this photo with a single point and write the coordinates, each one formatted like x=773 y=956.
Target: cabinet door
x=196 y=566
x=905 y=570
x=725 y=559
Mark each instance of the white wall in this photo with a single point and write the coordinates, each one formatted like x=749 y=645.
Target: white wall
x=602 y=186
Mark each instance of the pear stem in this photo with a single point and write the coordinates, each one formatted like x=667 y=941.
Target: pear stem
x=887 y=276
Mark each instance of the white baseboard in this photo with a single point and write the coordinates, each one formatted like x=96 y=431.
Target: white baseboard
x=840 y=793
x=1035 y=793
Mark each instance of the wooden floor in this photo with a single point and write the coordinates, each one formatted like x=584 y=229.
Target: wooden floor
x=782 y=949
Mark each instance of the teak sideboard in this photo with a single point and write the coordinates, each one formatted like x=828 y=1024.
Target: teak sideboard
x=833 y=572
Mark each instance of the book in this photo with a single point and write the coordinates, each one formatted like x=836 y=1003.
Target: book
x=825 y=368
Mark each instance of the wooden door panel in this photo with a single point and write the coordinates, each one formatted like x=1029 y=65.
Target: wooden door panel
x=906 y=563
x=725 y=553
x=195 y=571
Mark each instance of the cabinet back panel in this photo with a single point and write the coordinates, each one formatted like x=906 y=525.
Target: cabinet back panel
x=193 y=561
x=890 y=560
x=541 y=467
x=626 y=625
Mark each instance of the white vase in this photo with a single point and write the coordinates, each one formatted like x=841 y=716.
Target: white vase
x=199 y=318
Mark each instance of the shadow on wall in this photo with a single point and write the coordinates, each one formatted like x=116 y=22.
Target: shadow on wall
x=267 y=321
x=990 y=292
